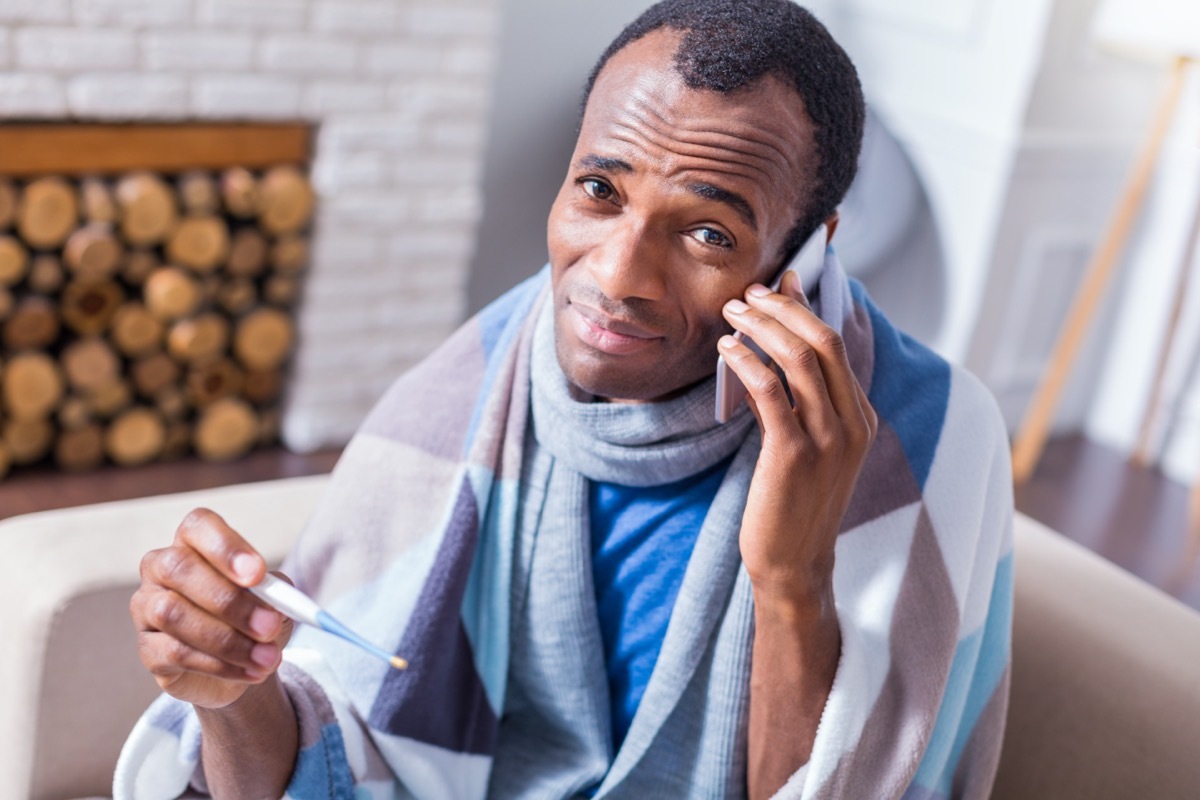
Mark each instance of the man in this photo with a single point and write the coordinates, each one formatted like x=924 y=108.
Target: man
x=625 y=598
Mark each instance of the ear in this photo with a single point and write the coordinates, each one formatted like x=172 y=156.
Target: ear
x=831 y=224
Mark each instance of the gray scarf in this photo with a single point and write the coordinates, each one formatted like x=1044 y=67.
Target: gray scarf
x=645 y=444
x=555 y=738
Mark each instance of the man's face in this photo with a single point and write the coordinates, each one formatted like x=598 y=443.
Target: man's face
x=675 y=201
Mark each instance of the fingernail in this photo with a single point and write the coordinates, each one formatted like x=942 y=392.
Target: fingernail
x=736 y=306
x=264 y=655
x=245 y=566
x=792 y=288
x=263 y=621
x=757 y=290
x=726 y=342
x=789 y=284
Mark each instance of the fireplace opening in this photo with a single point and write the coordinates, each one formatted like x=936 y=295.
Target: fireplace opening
x=149 y=279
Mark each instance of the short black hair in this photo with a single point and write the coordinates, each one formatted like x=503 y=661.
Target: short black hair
x=730 y=44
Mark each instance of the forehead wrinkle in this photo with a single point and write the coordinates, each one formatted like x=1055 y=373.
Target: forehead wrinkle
x=775 y=144
x=707 y=145
x=674 y=158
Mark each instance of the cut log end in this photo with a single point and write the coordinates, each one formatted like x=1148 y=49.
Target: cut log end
x=80 y=449
x=88 y=307
x=199 y=243
x=264 y=339
x=171 y=293
x=286 y=199
x=197 y=339
x=93 y=252
x=226 y=429
x=28 y=441
x=47 y=213
x=148 y=209
x=135 y=437
x=32 y=325
x=14 y=261
x=90 y=363
x=32 y=386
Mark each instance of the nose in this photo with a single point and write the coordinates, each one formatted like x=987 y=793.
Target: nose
x=630 y=264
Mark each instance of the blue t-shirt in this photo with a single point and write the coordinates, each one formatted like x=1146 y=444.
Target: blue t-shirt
x=642 y=538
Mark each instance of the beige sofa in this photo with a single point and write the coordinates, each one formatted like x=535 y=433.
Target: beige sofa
x=1106 y=676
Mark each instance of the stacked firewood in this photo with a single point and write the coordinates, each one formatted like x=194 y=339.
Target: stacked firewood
x=144 y=316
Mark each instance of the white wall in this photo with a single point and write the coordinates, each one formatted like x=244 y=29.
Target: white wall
x=951 y=79
x=1024 y=132
x=546 y=50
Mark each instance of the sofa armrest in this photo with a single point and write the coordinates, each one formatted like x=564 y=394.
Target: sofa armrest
x=73 y=686
x=1105 y=681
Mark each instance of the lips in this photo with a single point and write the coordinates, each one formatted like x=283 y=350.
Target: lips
x=608 y=334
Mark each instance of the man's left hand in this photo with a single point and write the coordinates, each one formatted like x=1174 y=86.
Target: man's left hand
x=812 y=449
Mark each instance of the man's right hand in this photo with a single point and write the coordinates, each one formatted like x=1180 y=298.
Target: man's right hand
x=203 y=636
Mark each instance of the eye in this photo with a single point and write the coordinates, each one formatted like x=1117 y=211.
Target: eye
x=712 y=237
x=597 y=188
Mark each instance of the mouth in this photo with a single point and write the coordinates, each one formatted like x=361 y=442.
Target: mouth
x=608 y=334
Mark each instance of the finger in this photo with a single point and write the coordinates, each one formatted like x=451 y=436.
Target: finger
x=799 y=361
x=763 y=387
x=223 y=547
x=753 y=406
x=872 y=418
x=790 y=286
x=799 y=318
x=183 y=570
x=168 y=612
x=167 y=658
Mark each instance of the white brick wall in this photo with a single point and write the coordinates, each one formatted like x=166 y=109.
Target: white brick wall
x=34 y=11
x=24 y=94
x=310 y=55
x=376 y=19
x=391 y=59
x=247 y=97
x=448 y=21
x=324 y=98
x=197 y=51
x=75 y=49
x=266 y=15
x=121 y=96
x=134 y=13
x=398 y=92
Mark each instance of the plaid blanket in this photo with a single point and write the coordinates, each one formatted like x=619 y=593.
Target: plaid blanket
x=422 y=544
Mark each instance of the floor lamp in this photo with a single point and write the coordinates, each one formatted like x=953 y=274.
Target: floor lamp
x=1160 y=28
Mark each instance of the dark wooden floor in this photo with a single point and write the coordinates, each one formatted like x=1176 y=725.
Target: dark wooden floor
x=1133 y=517
x=40 y=488
x=1136 y=518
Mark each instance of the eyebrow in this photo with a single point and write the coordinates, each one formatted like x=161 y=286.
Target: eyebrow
x=705 y=190
x=731 y=199
x=604 y=164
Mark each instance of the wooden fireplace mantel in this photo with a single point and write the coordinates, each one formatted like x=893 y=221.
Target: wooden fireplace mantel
x=91 y=148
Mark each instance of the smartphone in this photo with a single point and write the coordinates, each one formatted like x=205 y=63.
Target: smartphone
x=807 y=264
